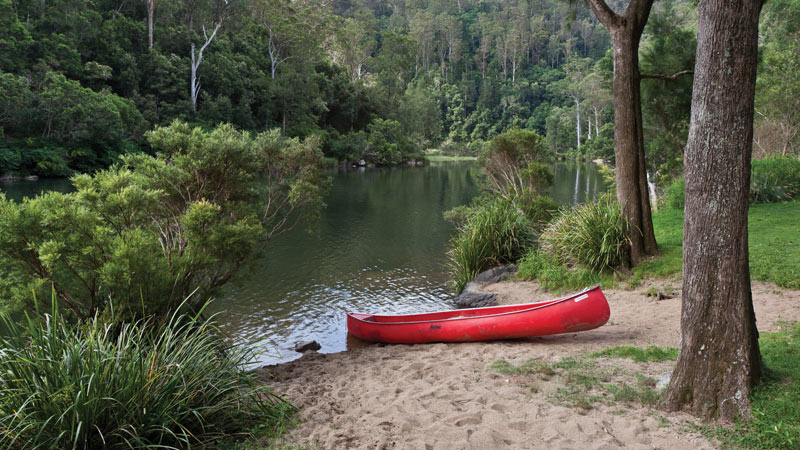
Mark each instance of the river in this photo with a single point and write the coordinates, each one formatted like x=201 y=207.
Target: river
x=380 y=247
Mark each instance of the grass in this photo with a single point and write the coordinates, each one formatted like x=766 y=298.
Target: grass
x=440 y=158
x=774 y=252
x=136 y=385
x=649 y=354
x=496 y=234
x=775 y=421
x=592 y=235
x=582 y=382
x=773 y=237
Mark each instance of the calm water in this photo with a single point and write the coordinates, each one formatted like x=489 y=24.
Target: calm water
x=379 y=247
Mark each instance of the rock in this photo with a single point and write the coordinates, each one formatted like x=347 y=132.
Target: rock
x=411 y=162
x=371 y=165
x=361 y=163
x=662 y=381
x=471 y=297
x=419 y=163
x=496 y=274
x=307 y=346
x=32 y=178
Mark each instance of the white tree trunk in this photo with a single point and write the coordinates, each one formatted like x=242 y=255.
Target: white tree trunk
x=589 y=129
x=578 y=121
x=197 y=58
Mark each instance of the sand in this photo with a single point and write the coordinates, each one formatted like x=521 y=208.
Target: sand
x=446 y=396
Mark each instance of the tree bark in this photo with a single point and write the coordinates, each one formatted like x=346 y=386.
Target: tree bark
x=151 y=10
x=626 y=32
x=719 y=358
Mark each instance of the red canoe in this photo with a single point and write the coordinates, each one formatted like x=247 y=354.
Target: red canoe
x=585 y=310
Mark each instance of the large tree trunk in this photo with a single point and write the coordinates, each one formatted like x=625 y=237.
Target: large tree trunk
x=626 y=32
x=719 y=358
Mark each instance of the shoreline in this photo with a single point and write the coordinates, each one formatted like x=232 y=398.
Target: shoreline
x=447 y=396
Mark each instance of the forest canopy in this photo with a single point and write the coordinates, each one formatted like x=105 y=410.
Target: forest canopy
x=378 y=80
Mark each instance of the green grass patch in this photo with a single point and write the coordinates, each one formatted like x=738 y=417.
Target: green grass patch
x=649 y=354
x=775 y=421
x=557 y=277
x=773 y=237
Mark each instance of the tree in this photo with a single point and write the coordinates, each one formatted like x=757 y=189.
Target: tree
x=719 y=359
x=632 y=191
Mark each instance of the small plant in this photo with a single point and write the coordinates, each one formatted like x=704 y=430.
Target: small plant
x=593 y=235
x=132 y=385
x=496 y=234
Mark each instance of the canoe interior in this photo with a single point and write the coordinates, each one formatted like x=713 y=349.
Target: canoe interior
x=457 y=313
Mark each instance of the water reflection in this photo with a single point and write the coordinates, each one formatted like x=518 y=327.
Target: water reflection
x=380 y=247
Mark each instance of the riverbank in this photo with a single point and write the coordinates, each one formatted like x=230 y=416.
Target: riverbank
x=459 y=396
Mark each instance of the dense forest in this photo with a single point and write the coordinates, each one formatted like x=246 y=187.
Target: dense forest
x=377 y=80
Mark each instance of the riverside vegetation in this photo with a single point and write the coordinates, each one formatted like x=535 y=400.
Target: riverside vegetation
x=121 y=356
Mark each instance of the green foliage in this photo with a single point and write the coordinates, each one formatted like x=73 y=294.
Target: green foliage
x=153 y=230
x=138 y=385
x=649 y=354
x=555 y=276
x=497 y=233
x=775 y=420
x=593 y=235
x=675 y=194
x=775 y=179
x=513 y=163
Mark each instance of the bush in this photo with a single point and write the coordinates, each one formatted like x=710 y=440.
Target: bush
x=675 y=194
x=513 y=163
x=132 y=386
x=774 y=179
x=593 y=235
x=151 y=231
x=497 y=233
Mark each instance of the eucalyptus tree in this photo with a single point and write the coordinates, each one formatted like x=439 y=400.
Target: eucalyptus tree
x=719 y=360
x=626 y=31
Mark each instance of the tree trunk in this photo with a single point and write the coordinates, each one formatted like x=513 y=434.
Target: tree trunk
x=578 y=121
x=719 y=359
x=151 y=9
x=626 y=32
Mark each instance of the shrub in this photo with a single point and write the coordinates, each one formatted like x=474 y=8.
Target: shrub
x=593 y=235
x=494 y=234
x=513 y=163
x=774 y=179
x=132 y=386
x=150 y=231
x=675 y=194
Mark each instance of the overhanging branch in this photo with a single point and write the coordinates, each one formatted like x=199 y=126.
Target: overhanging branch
x=673 y=77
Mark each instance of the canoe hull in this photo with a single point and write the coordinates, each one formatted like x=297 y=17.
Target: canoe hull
x=583 y=311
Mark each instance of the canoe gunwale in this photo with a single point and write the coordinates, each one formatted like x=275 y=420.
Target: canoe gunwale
x=534 y=306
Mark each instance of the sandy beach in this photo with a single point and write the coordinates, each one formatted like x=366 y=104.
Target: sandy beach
x=449 y=396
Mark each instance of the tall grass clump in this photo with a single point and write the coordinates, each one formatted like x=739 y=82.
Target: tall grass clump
x=495 y=233
x=134 y=385
x=592 y=235
x=774 y=179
